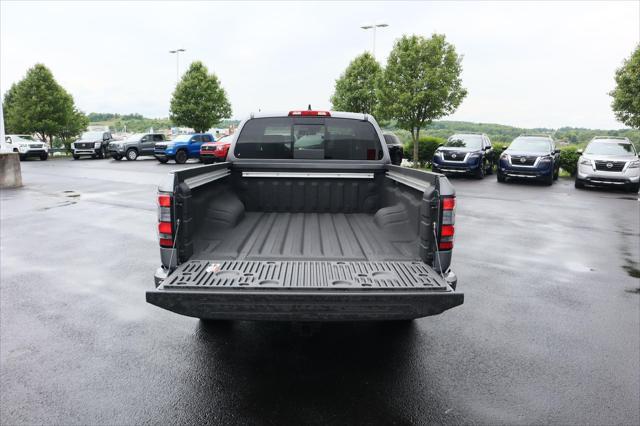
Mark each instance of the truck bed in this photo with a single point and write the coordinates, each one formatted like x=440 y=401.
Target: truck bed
x=309 y=236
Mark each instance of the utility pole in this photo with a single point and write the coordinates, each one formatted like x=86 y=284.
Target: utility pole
x=373 y=27
x=177 y=52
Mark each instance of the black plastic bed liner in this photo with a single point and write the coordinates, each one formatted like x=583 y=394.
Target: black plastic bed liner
x=305 y=290
x=304 y=274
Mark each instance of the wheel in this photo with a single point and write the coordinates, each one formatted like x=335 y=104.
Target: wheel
x=500 y=177
x=116 y=157
x=105 y=153
x=578 y=184
x=633 y=187
x=490 y=168
x=23 y=157
x=163 y=160
x=480 y=173
x=181 y=157
x=548 y=180
x=132 y=154
x=76 y=157
x=44 y=156
x=94 y=156
x=556 y=174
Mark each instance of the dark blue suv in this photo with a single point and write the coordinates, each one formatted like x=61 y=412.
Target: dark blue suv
x=465 y=153
x=530 y=157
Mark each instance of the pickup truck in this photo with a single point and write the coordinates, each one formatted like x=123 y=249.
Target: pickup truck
x=307 y=220
x=135 y=145
x=92 y=143
x=181 y=148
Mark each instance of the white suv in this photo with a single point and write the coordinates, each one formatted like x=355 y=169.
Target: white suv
x=26 y=146
x=609 y=160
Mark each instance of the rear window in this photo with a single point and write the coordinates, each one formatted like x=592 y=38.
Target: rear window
x=308 y=138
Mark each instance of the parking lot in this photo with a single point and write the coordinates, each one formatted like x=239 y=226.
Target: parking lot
x=548 y=332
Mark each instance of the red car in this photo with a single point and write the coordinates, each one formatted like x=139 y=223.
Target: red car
x=211 y=152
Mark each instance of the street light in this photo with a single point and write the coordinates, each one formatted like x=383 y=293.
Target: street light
x=374 y=26
x=177 y=52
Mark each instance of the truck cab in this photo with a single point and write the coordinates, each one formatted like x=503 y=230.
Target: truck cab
x=531 y=157
x=307 y=220
x=181 y=147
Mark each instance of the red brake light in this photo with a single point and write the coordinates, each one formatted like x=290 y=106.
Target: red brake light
x=165 y=228
x=447 y=231
x=166 y=242
x=448 y=203
x=164 y=200
x=307 y=113
x=445 y=245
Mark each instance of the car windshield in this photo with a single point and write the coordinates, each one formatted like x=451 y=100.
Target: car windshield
x=465 y=141
x=135 y=137
x=181 y=138
x=609 y=147
x=391 y=139
x=530 y=145
x=24 y=138
x=308 y=138
x=92 y=135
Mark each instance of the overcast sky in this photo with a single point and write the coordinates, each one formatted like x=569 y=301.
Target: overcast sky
x=536 y=64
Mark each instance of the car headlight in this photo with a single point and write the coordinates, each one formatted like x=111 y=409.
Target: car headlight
x=634 y=164
x=584 y=161
x=545 y=159
x=504 y=156
x=437 y=154
x=219 y=148
x=97 y=145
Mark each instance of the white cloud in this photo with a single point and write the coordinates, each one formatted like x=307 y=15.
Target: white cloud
x=526 y=64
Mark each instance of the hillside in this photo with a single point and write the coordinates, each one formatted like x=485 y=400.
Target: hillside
x=136 y=122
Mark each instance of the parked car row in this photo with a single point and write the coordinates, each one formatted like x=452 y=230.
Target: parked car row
x=607 y=160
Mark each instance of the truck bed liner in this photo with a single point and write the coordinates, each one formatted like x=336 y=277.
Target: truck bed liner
x=305 y=274
x=321 y=236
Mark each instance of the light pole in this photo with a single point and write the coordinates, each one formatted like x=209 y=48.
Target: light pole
x=373 y=27
x=177 y=52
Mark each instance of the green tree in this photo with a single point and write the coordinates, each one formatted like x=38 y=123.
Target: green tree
x=356 y=88
x=38 y=104
x=199 y=101
x=626 y=95
x=75 y=122
x=420 y=83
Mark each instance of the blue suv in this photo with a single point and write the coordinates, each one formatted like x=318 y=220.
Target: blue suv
x=465 y=153
x=530 y=157
x=181 y=148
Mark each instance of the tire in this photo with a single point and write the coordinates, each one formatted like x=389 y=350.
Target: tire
x=549 y=179
x=556 y=174
x=480 y=173
x=578 y=184
x=94 y=156
x=76 y=157
x=23 y=157
x=490 y=169
x=500 y=177
x=181 y=157
x=633 y=187
x=132 y=154
x=44 y=156
x=117 y=157
x=163 y=160
x=105 y=153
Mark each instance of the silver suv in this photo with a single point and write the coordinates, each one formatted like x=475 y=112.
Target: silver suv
x=609 y=160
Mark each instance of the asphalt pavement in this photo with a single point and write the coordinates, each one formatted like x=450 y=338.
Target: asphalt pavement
x=549 y=331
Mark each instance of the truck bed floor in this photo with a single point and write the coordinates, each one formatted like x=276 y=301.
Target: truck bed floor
x=312 y=236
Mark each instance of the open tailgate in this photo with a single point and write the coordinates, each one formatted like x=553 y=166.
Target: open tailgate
x=304 y=290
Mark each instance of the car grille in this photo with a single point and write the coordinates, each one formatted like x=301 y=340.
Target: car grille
x=160 y=149
x=516 y=160
x=35 y=146
x=610 y=166
x=87 y=145
x=208 y=148
x=454 y=156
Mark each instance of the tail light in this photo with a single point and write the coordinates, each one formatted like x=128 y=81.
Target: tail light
x=308 y=113
x=447 y=228
x=165 y=227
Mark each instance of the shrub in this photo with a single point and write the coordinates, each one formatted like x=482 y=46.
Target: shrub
x=427 y=145
x=569 y=159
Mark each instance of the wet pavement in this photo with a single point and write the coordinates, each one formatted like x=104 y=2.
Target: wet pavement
x=549 y=331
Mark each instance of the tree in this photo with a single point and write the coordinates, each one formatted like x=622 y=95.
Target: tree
x=626 y=95
x=356 y=88
x=420 y=83
x=199 y=101
x=75 y=122
x=38 y=104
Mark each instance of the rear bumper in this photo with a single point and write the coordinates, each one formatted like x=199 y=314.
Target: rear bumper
x=305 y=305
